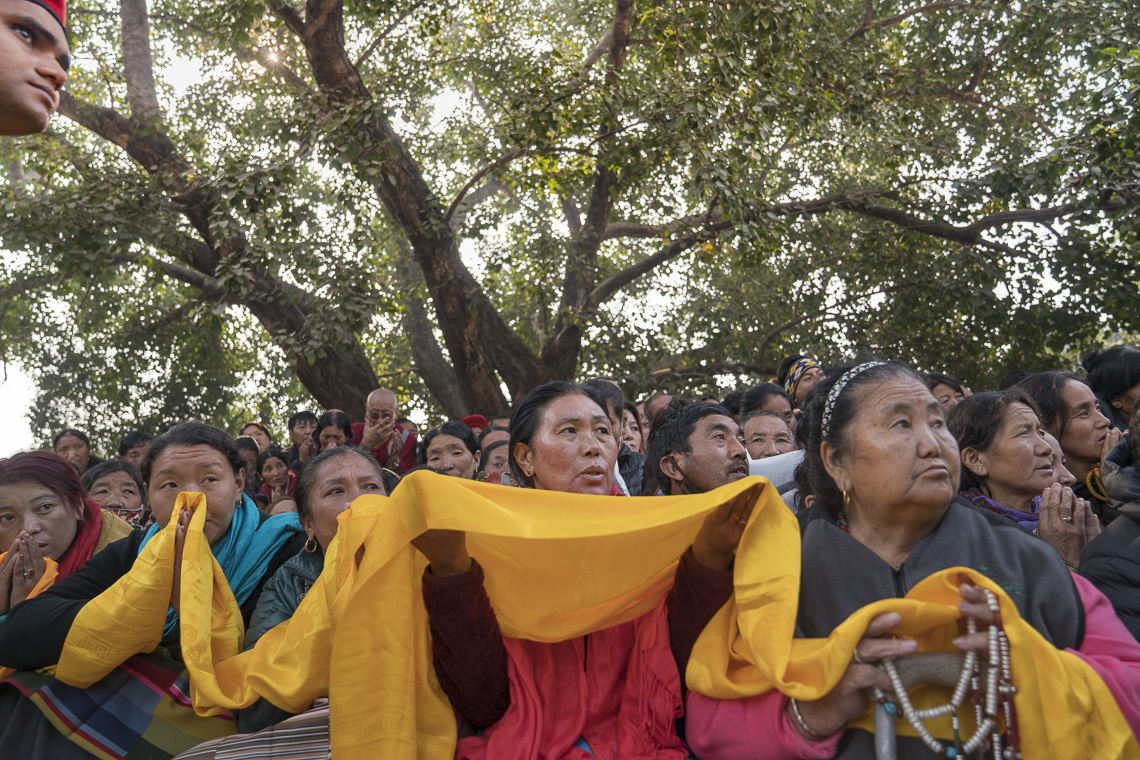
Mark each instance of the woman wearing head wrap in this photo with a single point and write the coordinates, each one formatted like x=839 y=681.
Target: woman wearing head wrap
x=798 y=375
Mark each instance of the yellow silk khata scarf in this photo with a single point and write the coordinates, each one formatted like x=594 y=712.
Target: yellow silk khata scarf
x=557 y=566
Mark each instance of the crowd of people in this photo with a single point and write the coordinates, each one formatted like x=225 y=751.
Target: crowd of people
x=918 y=569
x=894 y=478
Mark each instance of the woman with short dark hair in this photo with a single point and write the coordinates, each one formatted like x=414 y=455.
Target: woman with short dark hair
x=333 y=429
x=326 y=485
x=946 y=389
x=768 y=397
x=74 y=446
x=561 y=440
x=452 y=449
x=277 y=479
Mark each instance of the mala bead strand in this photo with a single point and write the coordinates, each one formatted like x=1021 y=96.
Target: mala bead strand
x=995 y=703
x=1095 y=484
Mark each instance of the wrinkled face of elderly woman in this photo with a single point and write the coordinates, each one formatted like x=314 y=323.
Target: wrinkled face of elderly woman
x=898 y=454
x=118 y=492
x=574 y=448
x=196 y=468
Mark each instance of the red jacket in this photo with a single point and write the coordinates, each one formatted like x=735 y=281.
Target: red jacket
x=397 y=458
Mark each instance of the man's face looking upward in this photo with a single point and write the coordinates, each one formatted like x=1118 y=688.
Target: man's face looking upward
x=34 y=59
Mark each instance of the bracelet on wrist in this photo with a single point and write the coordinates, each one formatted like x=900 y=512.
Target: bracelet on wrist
x=801 y=724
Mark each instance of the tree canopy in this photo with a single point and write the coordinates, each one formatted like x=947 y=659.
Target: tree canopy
x=249 y=205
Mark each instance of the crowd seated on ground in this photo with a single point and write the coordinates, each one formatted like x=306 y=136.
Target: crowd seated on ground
x=886 y=470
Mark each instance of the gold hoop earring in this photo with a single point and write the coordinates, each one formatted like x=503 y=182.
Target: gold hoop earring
x=846 y=500
x=310 y=545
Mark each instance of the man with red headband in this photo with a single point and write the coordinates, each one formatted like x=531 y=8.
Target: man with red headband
x=34 y=58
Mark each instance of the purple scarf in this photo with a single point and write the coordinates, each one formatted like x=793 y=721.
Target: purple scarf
x=1027 y=520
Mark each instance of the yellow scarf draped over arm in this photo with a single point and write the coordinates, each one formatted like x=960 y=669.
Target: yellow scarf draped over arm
x=1064 y=709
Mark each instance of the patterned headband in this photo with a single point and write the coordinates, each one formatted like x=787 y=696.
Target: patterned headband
x=797 y=372
x=837 y=390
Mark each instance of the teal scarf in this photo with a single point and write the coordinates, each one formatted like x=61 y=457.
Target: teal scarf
x=244 y=552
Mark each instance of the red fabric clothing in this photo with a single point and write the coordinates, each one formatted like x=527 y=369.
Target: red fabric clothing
x=267 y=492
x=539 y=698
x=622 y=699
x=464 y=630
x=396 y=453
x=86 y=538
x=758 y=728
x=697 y=593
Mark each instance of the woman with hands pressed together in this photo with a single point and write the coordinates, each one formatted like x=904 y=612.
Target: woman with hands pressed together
x=617 y=690
x=1068 y=410
x=46 y=516
x=885 y=469
x=248 y=547
x=1009 y=468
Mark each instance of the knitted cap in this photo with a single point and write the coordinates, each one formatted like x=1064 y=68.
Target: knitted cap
x=57 y=8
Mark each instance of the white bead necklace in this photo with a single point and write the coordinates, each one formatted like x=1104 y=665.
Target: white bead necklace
x=995 y=703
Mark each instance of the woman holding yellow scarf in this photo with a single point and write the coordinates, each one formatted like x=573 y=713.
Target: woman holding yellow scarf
x=613 y=693
x=884 y=470
x=140 y=707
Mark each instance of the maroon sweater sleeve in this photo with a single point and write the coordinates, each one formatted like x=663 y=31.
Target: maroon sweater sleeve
x=698 y=592
x=467 y=646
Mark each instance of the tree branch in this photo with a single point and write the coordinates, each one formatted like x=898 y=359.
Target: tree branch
x=615 y=282
x=210 y=288
x=970 y=234
x=940 y=5
x=291 y=17
x=385 y=32
x=501 y=162
x=460 y=207
x=137 y=62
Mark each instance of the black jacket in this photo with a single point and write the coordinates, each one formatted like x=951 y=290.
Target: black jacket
x=1112 y=561
x=280 y=597
x=631 y=465
x=32 y=635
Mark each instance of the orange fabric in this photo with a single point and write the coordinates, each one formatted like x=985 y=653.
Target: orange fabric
x=51 y=573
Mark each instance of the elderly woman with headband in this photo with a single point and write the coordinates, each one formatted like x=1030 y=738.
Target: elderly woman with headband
x=884 y=470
